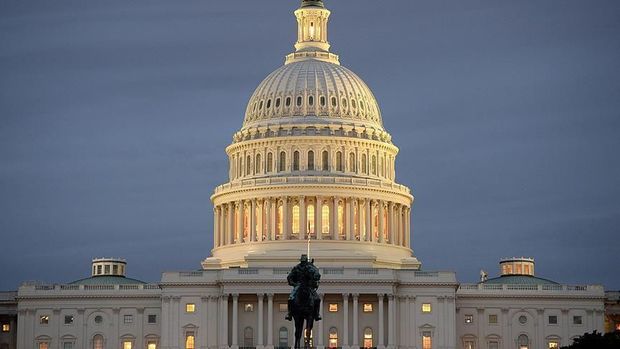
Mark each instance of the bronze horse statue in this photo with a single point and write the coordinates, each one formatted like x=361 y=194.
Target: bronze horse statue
x=304 y=303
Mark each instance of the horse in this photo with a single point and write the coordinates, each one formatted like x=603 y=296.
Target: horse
x=303 y=310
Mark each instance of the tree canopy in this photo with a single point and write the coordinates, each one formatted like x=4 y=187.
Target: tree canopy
x=596 y=340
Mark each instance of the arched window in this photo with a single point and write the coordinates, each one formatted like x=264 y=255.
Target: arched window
x=334 y=101
x=344 y=102
x=283 y=337
x=310 y=100
x=246 y=222
x=268 y=103
x=248 y=167
x=325 y=219
x=277 y=102
x=260 y=105
x=310 y=160
x=296 y=219
x=239 y=165
x=248 y=337
x=310 y=217
x=364 y=164
x=374 y=165
x=352 y=162
x=340 y=218
x=270 y=162
x=353 y=103
x=98 y=341
x=322 y=101
x=325 y=161
x=333 y=338
x=368 y=337
x=279 y=223
x=299 y=100
x=257 y=164
x=288 y=101
x=296 y=161
x=524 y=342
x=339 y=161
x=190 y=340
x=361 y=104
x=282 y=162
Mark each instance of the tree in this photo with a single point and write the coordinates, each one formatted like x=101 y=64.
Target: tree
x=596 y=340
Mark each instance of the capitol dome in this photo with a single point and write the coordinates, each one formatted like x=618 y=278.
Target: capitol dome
x=313 y=91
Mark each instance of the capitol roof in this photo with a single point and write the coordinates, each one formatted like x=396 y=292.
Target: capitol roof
x=107 y=280
x=519 y=280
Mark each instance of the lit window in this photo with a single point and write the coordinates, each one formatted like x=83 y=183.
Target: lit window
x=151 y=345
x=310 y=219
x=618 y=327
x=469 y=319
x=283 y=307
x=492 y=319
x=68 y=319
x=190 y=340
x=367 y=308
x=333 y=338
x=6 y=327
x=127 y=344
x=44 y=319
x=248 y=307
x=368 y=337
x=190 y=307
x=44 y=345
x=152 y=319
x=426 y=307
x=553 y=320
x=577 y=320
x=98 y=342
x=553 y=344
x=469 y=345
x=427 y=341
x=128 y=319
x=325 y=219
x=295 y=219
x=333 y=307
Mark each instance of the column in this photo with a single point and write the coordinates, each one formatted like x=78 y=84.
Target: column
x=235 y=321
x=319 y=337
x=259 y=220
x=252 y=220
x=334 y=223
x=204 y=323
x=260 y=334
x=381 y=342
x=356 y=344
x=368 y=227
x=270 y=321
x=391 y=332
x=240 y=227
x=412 y=321
x=223 y=332
x=318 y=217
x=303 y=223
x=408 y=226
x=231 y=223
x=392 y=231
x=359 y=220
x=273 y=214
x=216 y=224
x=349 y=210
x=381 y=223
x=540 y=333
x=165 y=321
x=399 y=223
x=345 y=325
x=285 y=219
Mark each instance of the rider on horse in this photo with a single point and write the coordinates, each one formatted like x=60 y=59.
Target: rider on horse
x=304 y=274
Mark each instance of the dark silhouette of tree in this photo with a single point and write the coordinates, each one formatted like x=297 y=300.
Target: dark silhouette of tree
x=596 y=340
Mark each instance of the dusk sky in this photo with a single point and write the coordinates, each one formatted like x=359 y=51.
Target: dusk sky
x=114 y=116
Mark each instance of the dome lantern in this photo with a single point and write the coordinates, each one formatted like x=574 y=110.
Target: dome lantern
x=312 y=43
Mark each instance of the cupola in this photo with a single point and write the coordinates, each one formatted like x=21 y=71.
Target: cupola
x=108 y=266
x=517 y=266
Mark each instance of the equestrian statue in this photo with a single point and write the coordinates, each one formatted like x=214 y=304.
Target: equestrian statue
x=303 y=302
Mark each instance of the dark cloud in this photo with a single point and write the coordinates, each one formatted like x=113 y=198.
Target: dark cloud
x=114 y=117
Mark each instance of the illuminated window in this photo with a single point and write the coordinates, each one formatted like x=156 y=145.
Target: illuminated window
x=333 y=307
x=190 y=340
x=427 y=341
x=553 y=319
x=325 y=161
x=492 y=319
x=426 y=307
x=333 y=338
x=283 y=307
x=127 y=344
x=283 y=337
x=279 y=218
x=341 y=218
x=310 y=160
x=469 y=319
x=128 y=319
x=523 y=341
x=248 y=307
x=310 y=213
x=469 y=345
x=269 y=162
x=325 y=219
x=68 y=319
x=296 y=161
x=152 y=319
x=339 y=166
x=98 y=342
x=618 y=327
x=151 y=345
x=190 y=307
x=44 y=319
x=368 y=337
x=282 y=162
x=296 y=219
x=44 y=345
x=367 y=308
x=577 y=320
x=6 y=327
x=553 y=344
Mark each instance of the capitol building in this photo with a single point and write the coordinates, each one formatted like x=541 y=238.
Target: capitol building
x=312 y=168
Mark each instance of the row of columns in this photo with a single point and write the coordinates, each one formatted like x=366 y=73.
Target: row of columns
x=343 y=340
x=362 y=219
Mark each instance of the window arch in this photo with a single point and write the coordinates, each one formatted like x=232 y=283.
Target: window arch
x=248 y=165
x=270 y=162
x=296 y=161
x=283 y=337
x=257 y=164
x=325 y=161
x=296 y=217
x=310 y=160
x=364 y=164
x=368 y=337
x=374 y=165
x=339 y=166
x=352 y=162
x=333 y=338
x=248 y=337
x=98 y=341
x=282 y=162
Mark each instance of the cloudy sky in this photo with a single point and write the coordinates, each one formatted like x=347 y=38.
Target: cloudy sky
x=114 y=116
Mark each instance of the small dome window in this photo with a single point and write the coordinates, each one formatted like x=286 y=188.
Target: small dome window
x=322 y=101
x=353 y=104
x=299 y=100
x=260 y=105
x=344 y=102
x=288 y=101
x=254 y=107
x=362 y=104
x=310 y=100
x=277 y=102
x=268 y=103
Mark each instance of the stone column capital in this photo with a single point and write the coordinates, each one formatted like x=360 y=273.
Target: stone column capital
x=345 y=296
x=355 y=296
x=235 y=296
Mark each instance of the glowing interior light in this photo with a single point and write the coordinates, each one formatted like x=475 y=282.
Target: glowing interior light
x=311 y=30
